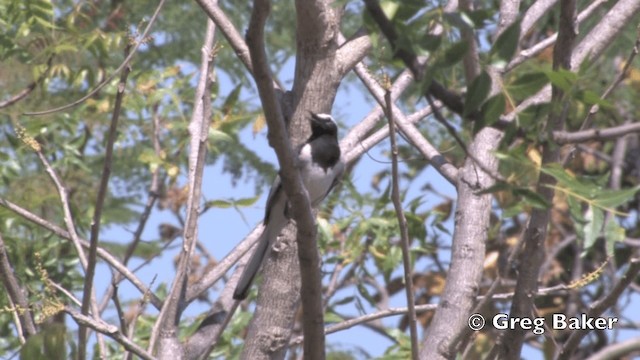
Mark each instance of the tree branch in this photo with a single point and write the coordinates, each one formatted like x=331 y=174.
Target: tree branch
x=292 y=182
x=564 y=137
x=110 y=330
x=228 y=30
x=446 y=169
x=28 y=89
x=527 y=54
x=165 y=329
x=404 y=232
x=352 y=51
x=102 y=253
x=15 y=294
x=451 y=100
x=97 y=213
x=532 y=256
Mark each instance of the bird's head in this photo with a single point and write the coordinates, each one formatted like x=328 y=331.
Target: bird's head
x=323 y=124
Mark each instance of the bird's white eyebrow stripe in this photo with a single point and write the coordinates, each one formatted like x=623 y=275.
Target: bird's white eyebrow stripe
x=325 y=117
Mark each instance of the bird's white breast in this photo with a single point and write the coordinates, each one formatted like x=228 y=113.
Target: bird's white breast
x=316 y=179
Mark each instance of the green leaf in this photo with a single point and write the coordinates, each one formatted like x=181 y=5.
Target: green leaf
x=562 y=78
x=491 y=111
x=532 y=198
x=219 y=136
x=591 y=98
x=390 y=8
x=246 y=201
x=527 y=84
x=477 y=93
x=455 y=53
x=506 y=44
x=232 y=99
x=593 y=227
x=615 y=198
x=613 y=233
x=331 y=317
x=220 y=204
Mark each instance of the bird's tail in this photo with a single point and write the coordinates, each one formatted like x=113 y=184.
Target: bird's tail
x=252 y=266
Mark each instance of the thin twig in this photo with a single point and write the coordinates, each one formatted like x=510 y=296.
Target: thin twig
x=102 y=253
x=28 y=89
x=446 y=169
x=99 y=205
x=146 y=212
x=564 y=137
x=404 y=232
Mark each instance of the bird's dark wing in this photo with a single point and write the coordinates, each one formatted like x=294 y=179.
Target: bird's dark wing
x=338 y=171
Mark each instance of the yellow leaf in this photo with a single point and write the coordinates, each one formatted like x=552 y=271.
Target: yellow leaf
x=259 y=124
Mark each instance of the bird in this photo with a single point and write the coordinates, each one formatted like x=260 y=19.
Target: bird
x=321 y=167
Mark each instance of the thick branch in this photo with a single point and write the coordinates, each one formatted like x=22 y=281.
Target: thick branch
x=534 y=236
x=311 y=291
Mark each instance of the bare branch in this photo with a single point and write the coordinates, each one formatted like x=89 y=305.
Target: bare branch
x=450 y=100
x=109 y=330
x=200 y=344
x=618 y=350
x=168 y=319
x=592 y=46
x=527 y=54
x=404 y=232
x=102 y=253
x=508 y=14
x=15 y=294
x=228 y=30
x=447 y=170
x=146 y=212
x=352 y=51
x=102 y=194
x=468 y=247
x=599 y=38
x=537 y=10
x=564 y=137
x=383 y=133
x=211 y=277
